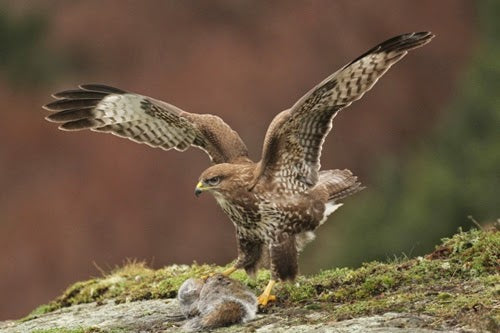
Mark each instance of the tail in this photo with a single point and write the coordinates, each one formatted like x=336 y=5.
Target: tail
x=339 y=184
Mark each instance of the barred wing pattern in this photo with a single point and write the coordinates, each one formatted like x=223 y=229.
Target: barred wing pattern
x=292 y=148
x=143 y=119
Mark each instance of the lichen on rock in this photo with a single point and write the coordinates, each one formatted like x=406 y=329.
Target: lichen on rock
x=454 y=287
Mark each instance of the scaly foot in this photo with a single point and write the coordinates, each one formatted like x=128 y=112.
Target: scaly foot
x=266 y=296
x=263 y=299
x=227 y=272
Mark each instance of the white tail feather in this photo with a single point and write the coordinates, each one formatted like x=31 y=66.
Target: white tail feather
x=330 y=207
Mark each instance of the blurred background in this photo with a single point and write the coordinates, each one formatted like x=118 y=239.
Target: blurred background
x=425 y=140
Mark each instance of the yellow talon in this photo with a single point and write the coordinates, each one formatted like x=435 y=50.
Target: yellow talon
x=262 y=300
x=227 y=272
x=266 y=296
x=205 y=277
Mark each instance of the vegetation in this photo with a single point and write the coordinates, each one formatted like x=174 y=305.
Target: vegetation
x=458 y=283
x=63 y=330
x=26 y=59
x=79 y=330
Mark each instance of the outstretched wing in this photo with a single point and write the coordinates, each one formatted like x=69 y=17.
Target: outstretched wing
x=292 y=146
x=145 y=120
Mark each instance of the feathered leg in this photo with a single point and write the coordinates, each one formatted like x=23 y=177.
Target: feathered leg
x=284 y=266
x=249 y=255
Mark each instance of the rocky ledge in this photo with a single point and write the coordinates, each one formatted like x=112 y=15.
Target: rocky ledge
x=455 y=288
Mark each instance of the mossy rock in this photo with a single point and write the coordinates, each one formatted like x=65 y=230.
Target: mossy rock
x=457 y=285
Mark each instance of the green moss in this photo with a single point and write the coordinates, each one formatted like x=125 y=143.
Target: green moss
x=40 y=310
x=75 y=330
x=81 y=330
x=458 y=281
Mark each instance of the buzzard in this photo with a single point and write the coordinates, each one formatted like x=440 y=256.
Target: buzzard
x=275 y=204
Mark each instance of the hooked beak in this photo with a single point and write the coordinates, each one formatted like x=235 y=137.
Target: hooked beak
x=199 y=188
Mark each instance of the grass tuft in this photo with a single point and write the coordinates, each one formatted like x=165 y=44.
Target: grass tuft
x=458 y=282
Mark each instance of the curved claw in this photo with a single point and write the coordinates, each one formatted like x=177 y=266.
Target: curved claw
x=205 y=277
x=262 y=300
x=227 y=272
x=266 y=296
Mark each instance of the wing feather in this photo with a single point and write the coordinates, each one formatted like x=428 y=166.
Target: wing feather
x=292 y=147
x=142 y=119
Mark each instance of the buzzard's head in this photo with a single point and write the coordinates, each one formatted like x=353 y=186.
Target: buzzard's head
x=221 y=179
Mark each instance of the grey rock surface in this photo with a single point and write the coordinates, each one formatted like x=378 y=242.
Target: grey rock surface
x=164 y=316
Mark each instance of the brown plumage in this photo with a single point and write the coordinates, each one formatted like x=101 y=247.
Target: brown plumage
x=274 y=204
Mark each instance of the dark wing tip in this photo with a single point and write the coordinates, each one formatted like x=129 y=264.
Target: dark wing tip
x=84 y=92
x=70 y=104
x=79 y=94
x=74 y=107
x=69 y=115
x=81 y=124
x=102 y=88
x=406 y=41
x=400 y=43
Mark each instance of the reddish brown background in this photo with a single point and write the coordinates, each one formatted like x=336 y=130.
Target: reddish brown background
x=73 y=199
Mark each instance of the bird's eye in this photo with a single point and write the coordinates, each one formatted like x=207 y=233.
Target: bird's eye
x=213 y=181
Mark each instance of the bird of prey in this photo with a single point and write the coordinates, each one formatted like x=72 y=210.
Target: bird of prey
x=276 y=203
